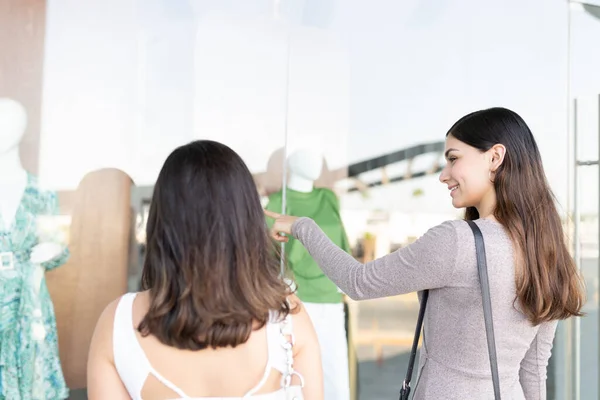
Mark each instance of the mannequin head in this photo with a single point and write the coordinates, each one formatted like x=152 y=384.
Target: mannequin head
x=306 y=163
x=13 y=121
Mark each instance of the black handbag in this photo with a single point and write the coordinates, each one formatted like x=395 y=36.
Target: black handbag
x=487 y=314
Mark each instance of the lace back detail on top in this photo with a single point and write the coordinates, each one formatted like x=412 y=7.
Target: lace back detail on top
x=288 y=341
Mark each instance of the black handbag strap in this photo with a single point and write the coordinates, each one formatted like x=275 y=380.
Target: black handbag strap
x=487 y=315
x=487 y=304
x=405 y=391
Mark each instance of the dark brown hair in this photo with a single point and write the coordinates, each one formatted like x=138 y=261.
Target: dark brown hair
x=548 y=284
x=210 y=265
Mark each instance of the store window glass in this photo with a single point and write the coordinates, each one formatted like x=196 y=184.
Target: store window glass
x=339 y=110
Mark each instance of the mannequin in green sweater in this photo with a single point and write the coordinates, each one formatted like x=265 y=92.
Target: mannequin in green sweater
x=322 y=298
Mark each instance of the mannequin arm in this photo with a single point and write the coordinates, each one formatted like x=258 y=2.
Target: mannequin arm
x=49 y=255
x=50 y=252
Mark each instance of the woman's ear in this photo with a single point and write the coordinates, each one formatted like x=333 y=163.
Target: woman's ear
x=497 y=152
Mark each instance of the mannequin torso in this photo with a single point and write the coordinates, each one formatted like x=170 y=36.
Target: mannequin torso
x=302 y=198
x=14 y=178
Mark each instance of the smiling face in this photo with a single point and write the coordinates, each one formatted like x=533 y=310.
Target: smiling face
x=467 y=174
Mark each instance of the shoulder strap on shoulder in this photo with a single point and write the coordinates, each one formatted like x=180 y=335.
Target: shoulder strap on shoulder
x=487 y=304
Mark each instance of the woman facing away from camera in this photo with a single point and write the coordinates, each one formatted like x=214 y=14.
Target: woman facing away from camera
x=494 y=170
x=215 y=319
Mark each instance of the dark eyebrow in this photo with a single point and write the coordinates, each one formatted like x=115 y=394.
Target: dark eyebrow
x=448 y=151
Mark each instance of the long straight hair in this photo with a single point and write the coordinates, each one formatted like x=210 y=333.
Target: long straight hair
x=548 y=284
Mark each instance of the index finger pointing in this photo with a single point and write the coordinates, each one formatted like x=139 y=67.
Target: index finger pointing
x=271 y=214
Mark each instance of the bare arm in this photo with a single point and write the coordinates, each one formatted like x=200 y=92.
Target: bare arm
x=103 y=381
x=532 y=373
x=307 y=356
x=427 y=263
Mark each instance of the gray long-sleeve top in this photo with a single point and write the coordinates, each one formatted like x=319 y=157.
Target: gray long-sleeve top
x=454 y=361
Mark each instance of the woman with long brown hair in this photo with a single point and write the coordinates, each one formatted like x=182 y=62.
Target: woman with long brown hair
x=495 y=171
x=215 y=319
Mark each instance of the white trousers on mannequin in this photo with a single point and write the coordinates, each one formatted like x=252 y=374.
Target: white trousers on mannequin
x=329 y=323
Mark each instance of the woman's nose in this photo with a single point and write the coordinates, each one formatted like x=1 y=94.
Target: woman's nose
x=443 y=176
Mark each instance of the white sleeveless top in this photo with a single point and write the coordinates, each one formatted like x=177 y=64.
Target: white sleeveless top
x=134 y=367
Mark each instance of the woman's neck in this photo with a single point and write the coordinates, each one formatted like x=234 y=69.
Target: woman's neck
x=487 y=206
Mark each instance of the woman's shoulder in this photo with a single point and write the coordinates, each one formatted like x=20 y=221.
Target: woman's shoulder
x=446 y=233
x=302 y=327
x=107 y=317
x=460 y=229
x=102 y=338
x=298 y=318
x=296 y=311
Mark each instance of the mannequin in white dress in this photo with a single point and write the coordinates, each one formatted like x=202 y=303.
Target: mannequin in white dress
x=305 y=165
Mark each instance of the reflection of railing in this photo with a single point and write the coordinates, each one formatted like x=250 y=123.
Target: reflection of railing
x=391 y=158
x=396 y=179
x=408 y=154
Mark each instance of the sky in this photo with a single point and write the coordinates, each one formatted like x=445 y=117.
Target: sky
x=127 y=81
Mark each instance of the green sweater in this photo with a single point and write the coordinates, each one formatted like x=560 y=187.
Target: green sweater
x=322 y=206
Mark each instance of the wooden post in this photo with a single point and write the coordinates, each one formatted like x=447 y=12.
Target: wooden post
x=96 y=272
x=22 y=35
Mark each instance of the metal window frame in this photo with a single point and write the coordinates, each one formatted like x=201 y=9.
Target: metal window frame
x=573 y=339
